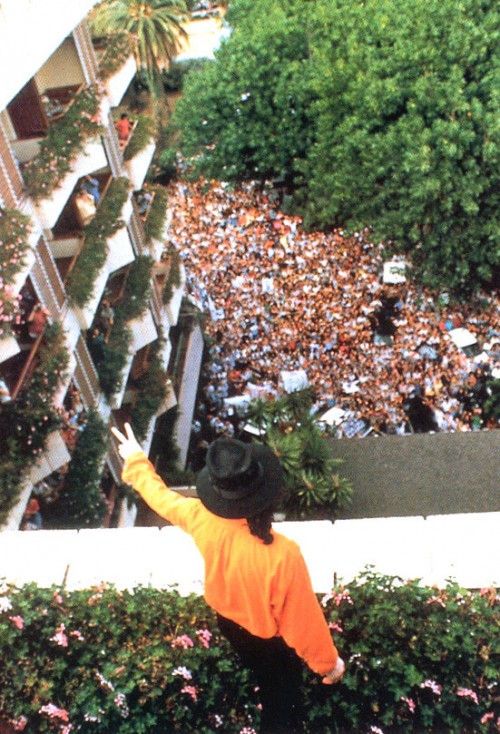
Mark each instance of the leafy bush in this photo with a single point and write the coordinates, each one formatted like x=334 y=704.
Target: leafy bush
x=25 y=423
x=106 y=223
x=167 y=163
x=174 y=277
x=419 y=661
x=64 y=140
x=82 y=503
x=144 y=132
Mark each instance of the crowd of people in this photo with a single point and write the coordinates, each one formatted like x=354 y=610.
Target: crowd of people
x=282 y=300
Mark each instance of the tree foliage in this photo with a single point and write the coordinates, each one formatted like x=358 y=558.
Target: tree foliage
x=382 y=113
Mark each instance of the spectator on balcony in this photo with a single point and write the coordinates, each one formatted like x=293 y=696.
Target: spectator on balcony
x=91 y=185
x=256 y=580
x=85 y=206
x=123 y=128
x=37 y=321
x=5 y=396
x=32 y=518
x=106 y=318
x=143 y=200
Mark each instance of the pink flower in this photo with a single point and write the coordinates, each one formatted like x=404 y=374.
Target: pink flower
x=487 y=717
x=335 y=626
x=342 y=596
x=60 y=637
x=54 y=712
x=57 y=596
x=410 y=703
x=204 y=637
x=436 y=600
x=191 y=691
x=468 y=693
x=435 y=687
x=18 y=621
x=183 y=641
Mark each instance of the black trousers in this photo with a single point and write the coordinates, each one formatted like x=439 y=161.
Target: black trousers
x=278 y=670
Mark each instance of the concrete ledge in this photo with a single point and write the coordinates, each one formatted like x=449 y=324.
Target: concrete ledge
x=461 y=547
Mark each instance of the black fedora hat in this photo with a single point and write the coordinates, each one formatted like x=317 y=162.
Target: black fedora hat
x=239 y=479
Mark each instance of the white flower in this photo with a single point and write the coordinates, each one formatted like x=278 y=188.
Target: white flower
x=5 y=604
x=184 y=672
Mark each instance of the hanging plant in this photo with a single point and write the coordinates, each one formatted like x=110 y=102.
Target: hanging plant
x=14 y=247
x=155 y=222
x=25 y=423
x=152 y=389
x=64 y=140
x=118 y=47
x=80 y=284
x=144 y=132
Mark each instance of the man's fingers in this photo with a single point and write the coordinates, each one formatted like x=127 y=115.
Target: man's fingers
x=118 y=435
x=129 y=431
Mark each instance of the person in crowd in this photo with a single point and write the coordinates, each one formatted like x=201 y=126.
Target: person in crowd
x=256 y=580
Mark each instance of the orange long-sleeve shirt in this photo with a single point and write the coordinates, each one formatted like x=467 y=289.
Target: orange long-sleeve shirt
x=264 y=588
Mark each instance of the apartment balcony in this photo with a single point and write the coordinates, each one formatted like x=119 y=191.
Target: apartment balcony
x=53 y=458
x=138 y=166
x=144 y=332
x=116 y=80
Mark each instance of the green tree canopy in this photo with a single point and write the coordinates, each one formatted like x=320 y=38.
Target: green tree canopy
x=383 y=114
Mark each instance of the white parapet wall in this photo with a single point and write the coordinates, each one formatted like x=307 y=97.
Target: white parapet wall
x=435 y=549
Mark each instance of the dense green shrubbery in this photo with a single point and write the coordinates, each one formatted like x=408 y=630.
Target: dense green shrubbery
x=419 y=660
x=14 y=248
x=143 y=134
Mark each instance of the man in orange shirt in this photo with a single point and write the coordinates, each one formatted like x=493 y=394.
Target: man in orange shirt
x=256 y=580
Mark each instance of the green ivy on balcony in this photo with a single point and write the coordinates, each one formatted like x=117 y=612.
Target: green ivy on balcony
x=64 y=140
x=118 y=47
x=14 y=247
x=155 y=222
x=144 y=132
x=93 y=254
x=132 y=305
x=25 y=423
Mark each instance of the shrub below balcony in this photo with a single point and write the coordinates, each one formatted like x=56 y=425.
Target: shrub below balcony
x=419 y=661
x=14 y=248
x=92 y=257
x=144 y=132
x=118 y=47
x=64 y=140
x=25 y=423
x=81 y=503
x=155 y=223
x=133 y=304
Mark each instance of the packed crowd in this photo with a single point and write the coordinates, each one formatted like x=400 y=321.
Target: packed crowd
x=282 y=300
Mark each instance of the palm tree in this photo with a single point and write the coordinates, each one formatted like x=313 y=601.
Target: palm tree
x=156 y=26
x=313 y=485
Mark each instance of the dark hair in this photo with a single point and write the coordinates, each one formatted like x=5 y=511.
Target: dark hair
x=260 y=525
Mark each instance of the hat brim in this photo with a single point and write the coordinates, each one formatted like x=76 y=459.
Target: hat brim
x=265 y=495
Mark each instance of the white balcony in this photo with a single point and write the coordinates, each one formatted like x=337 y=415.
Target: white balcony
x=117 y=85
x=138 y=166
x=143 y=331
x=92 y=158
x=120 y=252
x=55 y=455
x=8 y=348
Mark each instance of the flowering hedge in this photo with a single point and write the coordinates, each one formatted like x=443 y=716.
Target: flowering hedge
x=14 y=247
x=64 y=140
x=420 y=660
x=118 y=47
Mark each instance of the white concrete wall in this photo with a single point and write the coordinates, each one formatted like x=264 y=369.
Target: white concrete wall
x=462 y=547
